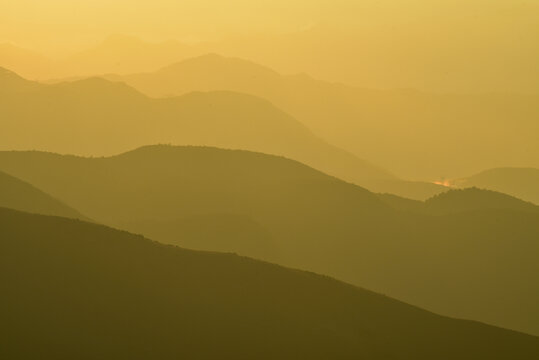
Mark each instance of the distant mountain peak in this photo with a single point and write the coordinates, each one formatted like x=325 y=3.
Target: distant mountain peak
x=120 y=39
x=11 y=81
x=473 y=198
x=123 y=39
x=214 y=59
x=99 y=84
x=521 y=182
x=5 y=73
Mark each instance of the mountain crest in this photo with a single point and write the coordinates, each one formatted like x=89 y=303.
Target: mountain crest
x=11 y=81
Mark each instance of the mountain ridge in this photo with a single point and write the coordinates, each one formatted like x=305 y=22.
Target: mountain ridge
x=391 y=127
x=87 y=109
x=519 y=182
x=232 y=303
x=461 y=200
x=19 y=195
x=316 y=222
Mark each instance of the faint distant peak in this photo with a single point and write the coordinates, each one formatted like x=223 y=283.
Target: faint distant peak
x=500 y=174
x=120 y=39
x=102 y=86
x=11 y=81
x=514 y=170
x=15 y=49
x=5 y=73
x=217 y=61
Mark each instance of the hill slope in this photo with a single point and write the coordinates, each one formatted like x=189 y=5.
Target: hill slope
x=460 y=200
x=520 y=182
x=409 y=132
x=97 y=117
x=17 y=194
x=27 y=63
x=11 y=82
x=73 y=289
x=122 y=54
x=478 y=264
x=222 y=232
x=119 y=54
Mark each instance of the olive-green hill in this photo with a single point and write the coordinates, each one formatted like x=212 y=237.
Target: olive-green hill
x=478 y=264
x=522 y=183
x=461 y=200
x=19 y=195
x=78 y=290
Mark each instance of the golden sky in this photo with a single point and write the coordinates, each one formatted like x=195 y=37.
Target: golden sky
x=59 y=25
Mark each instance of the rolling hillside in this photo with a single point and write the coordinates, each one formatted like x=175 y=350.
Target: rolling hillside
x=519 y=182
x=222 y=232
x=13 y=83
x=108 y=294
x=417 y=135
x=32 y=65
x=118 y=54
x=17 y=194
x=97 y=117
x=479 y=264
x=461 y=200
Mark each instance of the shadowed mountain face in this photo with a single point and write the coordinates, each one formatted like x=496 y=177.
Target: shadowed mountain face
x=474 y=262
x=415 y=134
x=223 y=232
x=98 y=117
x=103 y=293
x=520 y=182
x=17 y=194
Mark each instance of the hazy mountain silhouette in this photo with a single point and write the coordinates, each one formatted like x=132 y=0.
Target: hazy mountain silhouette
x=28 y=63
x=478 y=264
x=11 y=82
x=456 y=46
x=350 y=139
x=520 y=182
x=118 y=54
x=211 y=232
x=461 y=200
x=98 y=117
x=19 y=195
x=414 y=134
x=109 y=294
x=121 y=54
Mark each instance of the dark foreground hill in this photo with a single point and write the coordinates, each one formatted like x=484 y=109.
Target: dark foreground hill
x=478 y=264
x=76 y=290
x=19 y=195
x=520 y=182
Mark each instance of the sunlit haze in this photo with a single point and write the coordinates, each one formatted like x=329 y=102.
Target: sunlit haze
x=269 y=179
